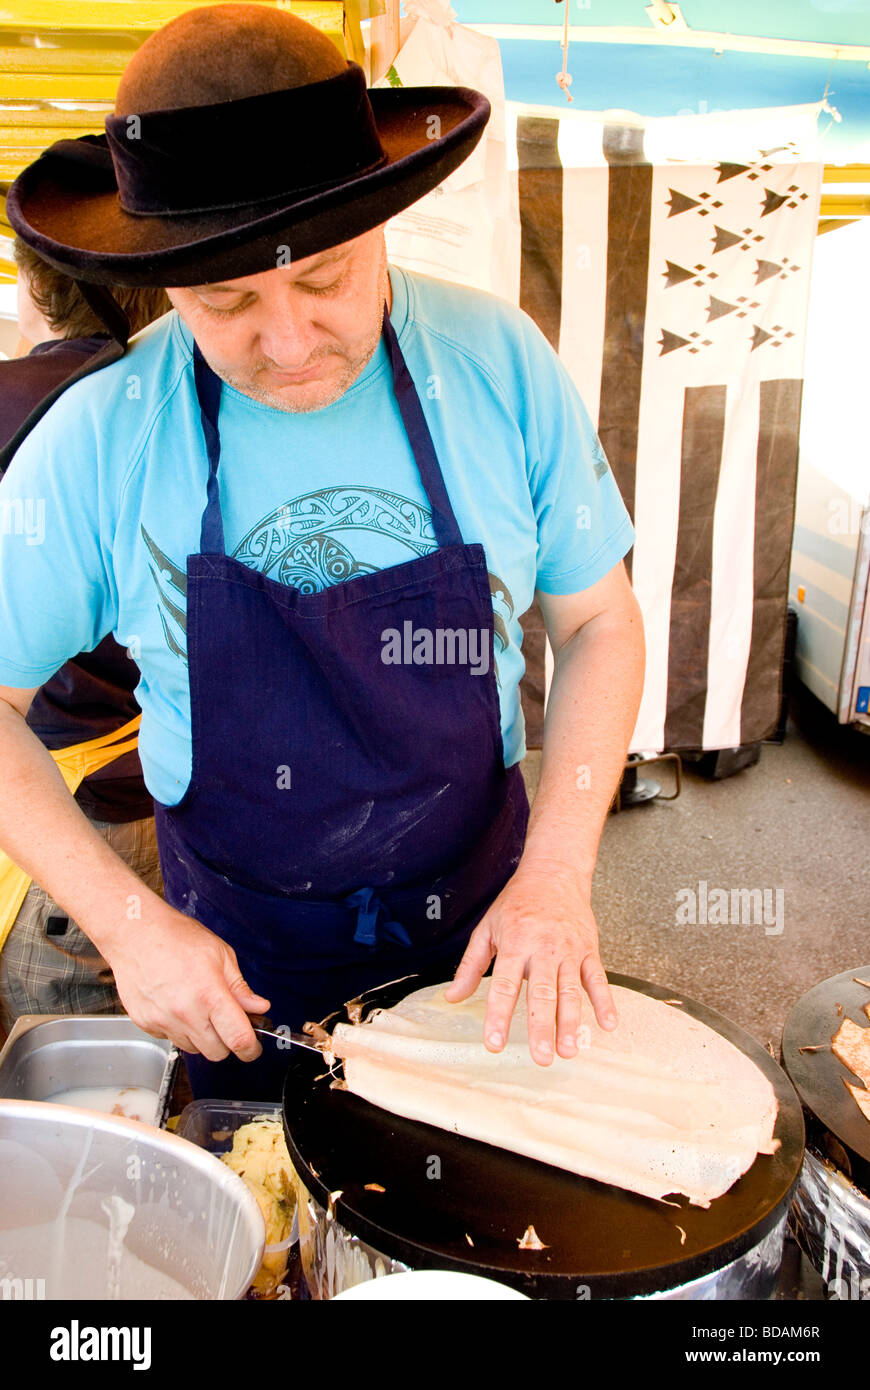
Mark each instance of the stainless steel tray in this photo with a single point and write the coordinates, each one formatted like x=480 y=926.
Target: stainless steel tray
x=47 y=1053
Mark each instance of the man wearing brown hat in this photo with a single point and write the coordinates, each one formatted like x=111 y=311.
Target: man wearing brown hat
x=320 y=496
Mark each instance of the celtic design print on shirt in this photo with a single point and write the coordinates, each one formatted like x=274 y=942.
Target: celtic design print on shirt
x=318 y=539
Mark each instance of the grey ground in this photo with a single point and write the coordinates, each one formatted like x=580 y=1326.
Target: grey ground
x=799 y=821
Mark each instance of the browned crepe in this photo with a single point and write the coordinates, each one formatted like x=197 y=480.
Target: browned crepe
x=861 y=1098
x=851 y=1043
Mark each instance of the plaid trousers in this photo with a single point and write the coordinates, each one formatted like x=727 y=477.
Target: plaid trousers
x=48 y=965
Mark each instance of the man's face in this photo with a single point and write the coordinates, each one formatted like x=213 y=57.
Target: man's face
x=297 y=337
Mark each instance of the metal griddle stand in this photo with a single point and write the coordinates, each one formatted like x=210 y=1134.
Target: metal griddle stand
x=634 y=790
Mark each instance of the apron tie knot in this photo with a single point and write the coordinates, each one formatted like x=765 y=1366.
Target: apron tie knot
x=370 y=909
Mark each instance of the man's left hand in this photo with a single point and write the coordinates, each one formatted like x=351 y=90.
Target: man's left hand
x=540 y=928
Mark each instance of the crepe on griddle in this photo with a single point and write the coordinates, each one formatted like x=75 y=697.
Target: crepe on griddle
x=860 y=1097
x=851 y=1044
x=662 y=1104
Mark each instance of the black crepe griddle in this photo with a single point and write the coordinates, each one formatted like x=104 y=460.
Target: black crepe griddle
x=617 y=1243
x=818 y=1076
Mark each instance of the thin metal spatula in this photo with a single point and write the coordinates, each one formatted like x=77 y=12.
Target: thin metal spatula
x=286 y=1038
x=315 y=1037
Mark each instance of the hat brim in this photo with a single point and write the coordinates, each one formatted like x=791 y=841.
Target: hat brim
x=76 y=222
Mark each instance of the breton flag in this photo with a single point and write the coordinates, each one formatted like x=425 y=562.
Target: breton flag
x=675 y=290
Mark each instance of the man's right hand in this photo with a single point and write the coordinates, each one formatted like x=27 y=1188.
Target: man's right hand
x=178 y=980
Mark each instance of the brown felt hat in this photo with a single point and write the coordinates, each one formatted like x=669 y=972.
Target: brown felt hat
x=241 y=139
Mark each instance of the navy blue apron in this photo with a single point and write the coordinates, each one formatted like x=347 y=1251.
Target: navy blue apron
x=349 y=819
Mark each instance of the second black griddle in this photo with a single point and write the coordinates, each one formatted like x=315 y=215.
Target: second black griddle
x=456 y=1203
x=818 y=1077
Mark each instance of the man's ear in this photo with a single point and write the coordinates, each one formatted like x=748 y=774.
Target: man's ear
x=32 y=325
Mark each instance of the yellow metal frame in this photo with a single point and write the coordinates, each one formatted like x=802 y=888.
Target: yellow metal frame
x=138 y=17
x=849 y=205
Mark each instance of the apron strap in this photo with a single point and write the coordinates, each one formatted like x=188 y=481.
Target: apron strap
x=126 y=731
x=80 y=760
x=444 y=521
x=208 y=390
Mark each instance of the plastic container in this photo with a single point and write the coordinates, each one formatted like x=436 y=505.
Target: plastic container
x=211 y=1125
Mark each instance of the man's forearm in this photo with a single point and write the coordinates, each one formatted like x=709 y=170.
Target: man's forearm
x=45 y=832
x=591 y=712
x=176 y=979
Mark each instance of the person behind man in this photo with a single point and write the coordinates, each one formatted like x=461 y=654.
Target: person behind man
x=47 y=964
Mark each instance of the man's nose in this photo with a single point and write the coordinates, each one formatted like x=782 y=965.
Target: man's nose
x=288 y=340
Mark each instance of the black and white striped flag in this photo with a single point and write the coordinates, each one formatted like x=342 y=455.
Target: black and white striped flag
x=675 y=292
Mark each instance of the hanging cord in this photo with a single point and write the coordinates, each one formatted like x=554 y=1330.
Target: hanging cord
x=564 y=77
x=826 y=105
x=103 y=303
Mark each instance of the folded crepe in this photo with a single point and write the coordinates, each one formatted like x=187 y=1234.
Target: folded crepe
x=662 y=1104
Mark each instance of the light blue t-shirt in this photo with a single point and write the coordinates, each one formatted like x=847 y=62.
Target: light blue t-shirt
x=103 y=501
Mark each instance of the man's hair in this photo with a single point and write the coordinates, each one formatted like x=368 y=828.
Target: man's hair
x=62 y=305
